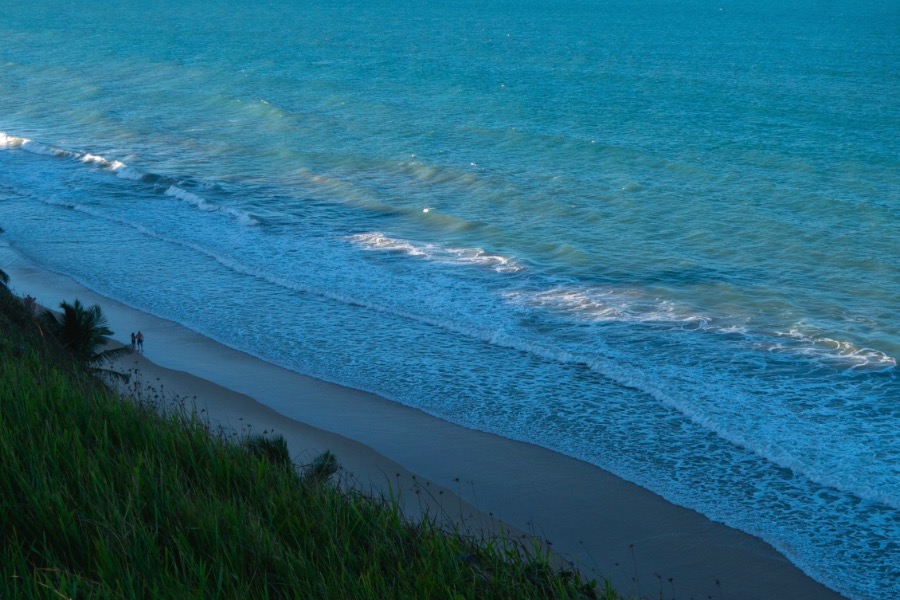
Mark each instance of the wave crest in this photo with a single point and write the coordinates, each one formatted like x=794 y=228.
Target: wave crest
x=11 y=141
x=435 y=252
x=123 y=171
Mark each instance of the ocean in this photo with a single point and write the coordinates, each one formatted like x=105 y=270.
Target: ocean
x=661 y=237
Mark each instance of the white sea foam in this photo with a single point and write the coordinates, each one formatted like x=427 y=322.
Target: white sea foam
x=11 y=141
x=677 y=386
x=29 y=145
x=435 y=252
x=733 y=329
x=193 y=199
x=605 y=304
x=117 y=166
x=804 y=340
x=121 y=169
x=89 y=158
x=602 y=304
x=125 y=172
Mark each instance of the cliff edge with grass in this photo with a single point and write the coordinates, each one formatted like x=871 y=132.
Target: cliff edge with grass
x=105 y=496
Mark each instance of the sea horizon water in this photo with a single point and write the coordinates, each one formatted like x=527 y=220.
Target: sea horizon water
x=658 y=237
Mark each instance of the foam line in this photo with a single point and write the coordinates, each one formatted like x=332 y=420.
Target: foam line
x=123 y=171
x=449 y=255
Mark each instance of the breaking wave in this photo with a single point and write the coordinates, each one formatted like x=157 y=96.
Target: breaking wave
x=436 y=252
x=127 y=172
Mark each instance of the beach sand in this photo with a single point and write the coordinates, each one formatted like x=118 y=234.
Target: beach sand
x=607 y=527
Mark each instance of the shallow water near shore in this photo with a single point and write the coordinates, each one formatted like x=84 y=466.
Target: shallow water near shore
x=661 y=241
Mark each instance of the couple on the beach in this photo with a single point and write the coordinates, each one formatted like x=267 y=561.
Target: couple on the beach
x=137 y=341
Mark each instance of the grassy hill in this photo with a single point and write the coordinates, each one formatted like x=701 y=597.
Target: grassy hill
x=103 y=497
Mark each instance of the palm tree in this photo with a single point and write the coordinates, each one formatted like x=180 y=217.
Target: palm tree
x=83 y=331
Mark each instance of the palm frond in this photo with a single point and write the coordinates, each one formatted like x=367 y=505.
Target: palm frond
x=84 y=332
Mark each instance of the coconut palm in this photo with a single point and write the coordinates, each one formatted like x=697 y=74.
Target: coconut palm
x=83 y=331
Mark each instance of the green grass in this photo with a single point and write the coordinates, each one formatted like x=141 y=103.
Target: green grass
x=106 y=498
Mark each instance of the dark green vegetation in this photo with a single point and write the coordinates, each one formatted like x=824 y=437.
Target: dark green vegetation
x=102 y=497
x=84 y=333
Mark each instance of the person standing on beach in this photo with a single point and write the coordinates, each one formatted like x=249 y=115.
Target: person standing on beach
x=140 y=341
x=133 y=341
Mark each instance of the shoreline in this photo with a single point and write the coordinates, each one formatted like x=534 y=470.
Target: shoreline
x=608 y=527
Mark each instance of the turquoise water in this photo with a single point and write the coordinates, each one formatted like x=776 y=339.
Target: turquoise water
x=660 y=237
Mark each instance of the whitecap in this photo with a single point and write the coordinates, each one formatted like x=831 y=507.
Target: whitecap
x=607 y=304
x=11 y=141
x=804 y=340
x=89 y=158
x=436 y=252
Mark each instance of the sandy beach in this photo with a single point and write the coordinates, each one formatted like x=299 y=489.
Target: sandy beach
x=607 y=527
